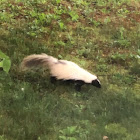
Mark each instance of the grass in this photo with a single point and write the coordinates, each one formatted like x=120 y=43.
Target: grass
x=101 y=36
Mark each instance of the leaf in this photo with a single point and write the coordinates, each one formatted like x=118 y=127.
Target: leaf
x=6 y=65
x=72 y=138
x=72 y=129
x=42 y=17
x=60 y=56
x=74 y=15
x=58 y=1
x=75 y=18
x=1 y=64
x=61 y=24
x=2 y=55
x=62 y=137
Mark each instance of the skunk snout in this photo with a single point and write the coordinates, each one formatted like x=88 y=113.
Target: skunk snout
x=96 y=83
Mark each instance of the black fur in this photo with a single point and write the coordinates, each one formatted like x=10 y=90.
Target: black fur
x=53 y=79
x=78 y=83
x=96 y=83
x=59 y=61
x=34 y=62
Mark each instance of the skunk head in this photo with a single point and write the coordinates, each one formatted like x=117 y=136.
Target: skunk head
x=96 y=83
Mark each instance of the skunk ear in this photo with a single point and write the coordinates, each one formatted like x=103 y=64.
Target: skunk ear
x=96 y=83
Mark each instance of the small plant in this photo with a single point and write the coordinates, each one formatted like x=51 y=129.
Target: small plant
x=73 y=15
x=68 y=133
x=2 y=137
x=107 y=20
x=121 y=43
x=135 y=69
x=59 y=43
x=102 y=68
x=58 y=1
x=115 y=130
x=5 y=62
x=123 y=12
x=121 y=59
x=121 y=39
x=122 y=30
x=61 y=25
x=76 y=132
x=94 y=22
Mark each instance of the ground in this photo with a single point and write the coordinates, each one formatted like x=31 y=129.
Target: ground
x=101 y=36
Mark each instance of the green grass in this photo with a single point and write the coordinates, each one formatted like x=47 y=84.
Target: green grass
x=102 y=37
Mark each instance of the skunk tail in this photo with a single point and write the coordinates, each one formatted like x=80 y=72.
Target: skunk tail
x=37 y=60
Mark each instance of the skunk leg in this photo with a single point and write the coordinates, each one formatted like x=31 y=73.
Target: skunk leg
x=53 y=79
x=78 y=85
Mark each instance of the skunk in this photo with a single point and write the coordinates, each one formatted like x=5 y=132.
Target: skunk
x=61 y=70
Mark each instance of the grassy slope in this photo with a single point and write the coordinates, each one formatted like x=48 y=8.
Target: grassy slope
x=103 y=37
